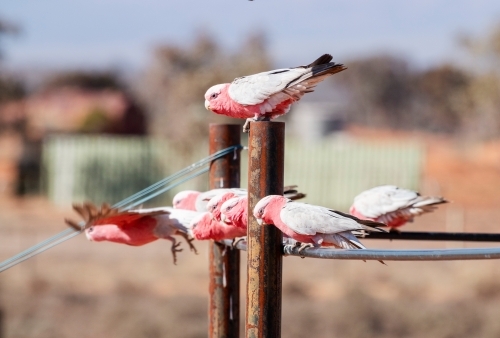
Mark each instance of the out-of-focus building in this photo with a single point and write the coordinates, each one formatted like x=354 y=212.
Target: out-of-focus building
x=26 y=122
x=313 y=121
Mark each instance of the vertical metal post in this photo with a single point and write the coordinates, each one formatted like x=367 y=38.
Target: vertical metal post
x=265 y=260
x=224 y=284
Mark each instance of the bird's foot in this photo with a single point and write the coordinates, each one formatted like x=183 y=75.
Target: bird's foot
x=304 y=246
x=191 y=245
x=394 y=231
x=246 y=126
x=236 y=241
x=175 y=249
x=190 y=242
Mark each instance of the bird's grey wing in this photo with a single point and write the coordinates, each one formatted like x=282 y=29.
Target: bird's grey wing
x=180 y=219
x=255 y=89
x=308 y=219
x=381 y=200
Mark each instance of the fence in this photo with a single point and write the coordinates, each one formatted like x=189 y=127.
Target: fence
x=331 y=172
x=105 y=168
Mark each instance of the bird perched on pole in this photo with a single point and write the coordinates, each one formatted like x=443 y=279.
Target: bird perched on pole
x=265 y=96
x=205 y=227
x=214 y=204
x=134 y=227
x=198 y=201
x=311 y=225
x=392 y=205
x=235 y=211
x=186 y=200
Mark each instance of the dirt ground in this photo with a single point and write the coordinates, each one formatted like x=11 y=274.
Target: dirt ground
x=83 y=289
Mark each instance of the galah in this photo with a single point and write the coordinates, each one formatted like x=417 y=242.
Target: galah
x=234 y=211
x=311 y=225
x=135 y=227
x=392 y=205
x=267 y=95
x=214 y=205
x=186 y=200
x=204 y=198
x=205 y=227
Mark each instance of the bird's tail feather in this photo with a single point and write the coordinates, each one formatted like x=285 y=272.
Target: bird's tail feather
x=368 y=225
x=327 y=69
x=323 y=59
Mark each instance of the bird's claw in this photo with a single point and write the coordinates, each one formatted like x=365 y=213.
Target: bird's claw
x=236 y=241
x=175 y=249
x=189 y=242
x=302 y=247
x=246 y=126
x=191 y=245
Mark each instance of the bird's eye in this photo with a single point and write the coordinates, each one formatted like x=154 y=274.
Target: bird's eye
x=214 y=95
x=90 y=229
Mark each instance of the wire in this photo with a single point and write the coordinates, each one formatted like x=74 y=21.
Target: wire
x=129 y=202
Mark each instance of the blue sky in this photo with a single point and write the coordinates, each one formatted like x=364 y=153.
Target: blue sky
x=100 y=33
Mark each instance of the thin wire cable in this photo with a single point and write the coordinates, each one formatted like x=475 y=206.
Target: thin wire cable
x=161 y=191
x=134 y=200
x=37 y=246
x=33 y=252
x=178 y=174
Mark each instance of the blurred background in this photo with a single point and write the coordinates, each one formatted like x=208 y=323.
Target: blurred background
x=99 y=99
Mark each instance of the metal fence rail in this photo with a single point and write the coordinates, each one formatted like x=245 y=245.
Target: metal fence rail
x=389 y=255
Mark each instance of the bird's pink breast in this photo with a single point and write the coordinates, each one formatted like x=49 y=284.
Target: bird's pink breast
x=210 y=229
x=137 y=232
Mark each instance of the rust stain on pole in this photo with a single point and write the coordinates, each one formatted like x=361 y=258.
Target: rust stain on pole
x=224 y=284
x=265 y=260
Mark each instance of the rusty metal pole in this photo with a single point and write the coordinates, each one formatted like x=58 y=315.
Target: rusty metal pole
x=224 y=284
x=265 y=177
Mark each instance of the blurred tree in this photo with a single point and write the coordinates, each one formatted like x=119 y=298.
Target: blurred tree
x=90 y=80
x=11 y=88
x=384 y=91
x=7 y=28
x=483 y=119
x=441 y=99
x=379 y=91
x=176 y=81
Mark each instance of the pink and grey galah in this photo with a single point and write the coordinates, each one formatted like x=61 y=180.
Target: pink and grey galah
x=186 y=200
x=267 y=95
x=215 y=204
x=234 y=211
x=392 y=205
x=311 y=225
x=135 y=227
x=198 y=201
x=205 y=227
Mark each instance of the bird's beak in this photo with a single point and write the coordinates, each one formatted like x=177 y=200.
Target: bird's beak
x=260 y=221
x=223 y=218
x=207 y=105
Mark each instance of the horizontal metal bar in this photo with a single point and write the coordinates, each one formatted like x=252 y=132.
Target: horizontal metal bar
x=389 y=255
x=397 y=255
x=435 y=236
